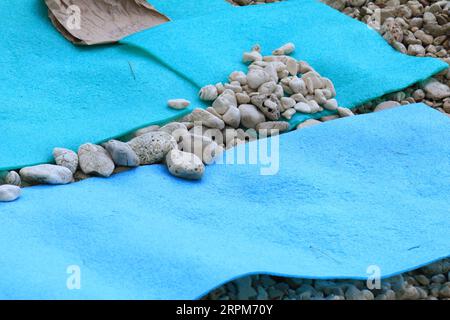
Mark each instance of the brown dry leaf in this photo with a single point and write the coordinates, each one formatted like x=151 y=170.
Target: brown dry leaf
x=89 y=22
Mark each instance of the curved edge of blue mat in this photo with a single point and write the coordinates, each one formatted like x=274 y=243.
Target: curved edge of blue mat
x=284 y=275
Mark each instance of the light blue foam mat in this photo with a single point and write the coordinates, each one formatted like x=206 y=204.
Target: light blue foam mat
x=206 y=49
x=55 y=94
x=350 y=193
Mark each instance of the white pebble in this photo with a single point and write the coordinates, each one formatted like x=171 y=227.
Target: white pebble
x=9 y=193
x=178 y=104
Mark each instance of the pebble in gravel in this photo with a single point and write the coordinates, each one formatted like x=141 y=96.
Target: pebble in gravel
x=9 y=193
x=386 y=105
x=66 y=158
x=185 y=165
x=436 y=90
x=95 y=160
x=46 y=174
x=152 y=147
x=121 y=153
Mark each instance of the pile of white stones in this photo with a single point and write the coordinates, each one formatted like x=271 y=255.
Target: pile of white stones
x=429 y=283
x=274 y=89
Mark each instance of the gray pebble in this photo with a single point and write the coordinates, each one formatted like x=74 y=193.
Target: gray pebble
x=152 y=147
x=9 y=193
x=66 y=158
x=13 y=178
x=184 y=165
x=95 y=160
x=436 y=90
x=47 y=174
x=121 y=153
x=386 y=105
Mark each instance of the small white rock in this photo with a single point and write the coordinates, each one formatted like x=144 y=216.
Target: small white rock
x=256 y=77
x=95 y=160
x=13 y=178
x=185 y=165
x=286 y=49
x=436 y=90
x=9 y=193
x=152 y=147
x=331 y=104
x=178 y=104
x=47 y=174
x=122 y=154
x=232 y=117
x=386 y=105
x=208 y=93
x=66 y=158
x=250 y=115
x=303 y=107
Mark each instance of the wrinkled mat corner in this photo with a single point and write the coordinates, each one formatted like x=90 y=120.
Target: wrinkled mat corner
x=101 y=21
x=349 y=194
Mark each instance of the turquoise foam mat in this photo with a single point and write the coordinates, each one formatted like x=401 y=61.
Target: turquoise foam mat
x=370 y=190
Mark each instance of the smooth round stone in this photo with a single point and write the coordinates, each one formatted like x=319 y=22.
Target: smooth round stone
x=152 y=147
x=66 y=158
x=13 y=178
x=178 y=104
x=436 y=90
x=185 y=165
x=386 y=105
x=95 y=160
x=47 y=174
x=121 y=153
x=9 y=193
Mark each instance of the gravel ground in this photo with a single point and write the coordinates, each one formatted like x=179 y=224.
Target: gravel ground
x=429 y=283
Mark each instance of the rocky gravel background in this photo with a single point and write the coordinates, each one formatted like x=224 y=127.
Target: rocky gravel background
x=429 y=283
